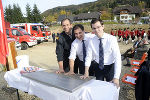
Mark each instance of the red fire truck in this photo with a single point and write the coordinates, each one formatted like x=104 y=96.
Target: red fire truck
x=22 y=36
x=17 y=44
x=34 y=29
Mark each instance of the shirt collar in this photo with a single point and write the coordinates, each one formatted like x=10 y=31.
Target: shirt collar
x=104 y=36
x=85 y=38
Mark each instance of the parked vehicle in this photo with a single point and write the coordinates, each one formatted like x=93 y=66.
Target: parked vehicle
x=34 y=29
x=46 y=32
x=22 y=36
x=17 y=44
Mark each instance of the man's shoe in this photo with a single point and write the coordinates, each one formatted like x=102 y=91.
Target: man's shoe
x=128 y=65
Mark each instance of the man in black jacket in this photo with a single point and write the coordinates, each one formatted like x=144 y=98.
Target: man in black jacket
x=64 y=45
x=53 y=36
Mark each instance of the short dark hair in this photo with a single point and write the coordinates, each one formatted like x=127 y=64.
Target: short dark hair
x=96 y=20
x=66 y=19
x=78 y=26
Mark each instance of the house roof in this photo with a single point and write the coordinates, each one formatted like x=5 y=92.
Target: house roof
x=61 y=17
x=131 y=10
x=84 y=16
x=81 y=16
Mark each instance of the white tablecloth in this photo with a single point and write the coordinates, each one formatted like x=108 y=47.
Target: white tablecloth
x=93 y=90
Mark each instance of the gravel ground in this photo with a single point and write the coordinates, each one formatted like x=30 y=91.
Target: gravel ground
x=43 y=55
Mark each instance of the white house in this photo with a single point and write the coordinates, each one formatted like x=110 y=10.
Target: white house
x=126 y=13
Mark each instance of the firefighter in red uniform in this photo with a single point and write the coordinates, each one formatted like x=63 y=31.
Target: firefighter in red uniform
x=127 y=36
x=132 y=35
x=142 y=32
x=148 y=33
x=123 y=35
x=115 y=33
x=139 y=32
x=112 y=32
x=135 y=32
x=119 y=34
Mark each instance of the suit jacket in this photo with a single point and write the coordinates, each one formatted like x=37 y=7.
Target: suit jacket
x=136 y=44
x=139 y=51
x=63 y=46
x=142 y=87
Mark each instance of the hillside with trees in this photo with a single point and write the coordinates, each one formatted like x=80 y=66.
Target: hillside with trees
x=99 y=5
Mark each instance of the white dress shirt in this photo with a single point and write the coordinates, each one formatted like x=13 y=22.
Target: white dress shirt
x=111 y=52
x=76 y=46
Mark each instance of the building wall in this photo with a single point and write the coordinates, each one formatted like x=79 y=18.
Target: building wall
x=125 y=18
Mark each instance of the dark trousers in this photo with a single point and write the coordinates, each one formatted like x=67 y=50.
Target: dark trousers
x=133 y=37
x=119 y=37
x=128 y=53
x=66 y=65
x=53 y=40
x=107 y=73
x=76 y=65
x=79 y=67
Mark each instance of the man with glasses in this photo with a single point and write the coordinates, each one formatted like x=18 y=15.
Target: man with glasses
x=104 y=50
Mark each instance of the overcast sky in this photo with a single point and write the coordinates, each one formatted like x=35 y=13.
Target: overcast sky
x=43 y=5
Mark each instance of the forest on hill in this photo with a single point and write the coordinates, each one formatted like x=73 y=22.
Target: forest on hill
x=13 y=14
x=99 y=5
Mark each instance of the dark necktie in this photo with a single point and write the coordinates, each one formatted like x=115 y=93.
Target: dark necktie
x=84 y=50
x=101 y=54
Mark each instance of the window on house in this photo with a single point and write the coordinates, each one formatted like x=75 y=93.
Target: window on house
x=124 y=11
x=126 y=17
x=130 y=16
x=122 y=17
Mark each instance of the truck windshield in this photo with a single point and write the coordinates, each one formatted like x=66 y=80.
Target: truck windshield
x=42 y=28
x=35 y=28
x=24 y=32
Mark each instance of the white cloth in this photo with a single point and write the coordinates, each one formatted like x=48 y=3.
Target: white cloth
x=93 y=90
x=111 y=52
x=76 y=46
x=14 y=79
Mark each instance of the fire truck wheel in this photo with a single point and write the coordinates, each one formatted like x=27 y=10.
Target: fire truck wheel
x=24 y=46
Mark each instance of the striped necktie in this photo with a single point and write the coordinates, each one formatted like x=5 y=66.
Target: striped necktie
x=101 y=54
x=84 y=50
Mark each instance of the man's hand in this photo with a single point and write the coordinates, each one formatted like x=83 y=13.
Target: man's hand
x=60 y=71
x=116 y=82
x=70 y=73
x=84 y=76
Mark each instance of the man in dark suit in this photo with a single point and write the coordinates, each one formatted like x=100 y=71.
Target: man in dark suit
x=53 y=36
x=64 y=45
x=142 y=87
